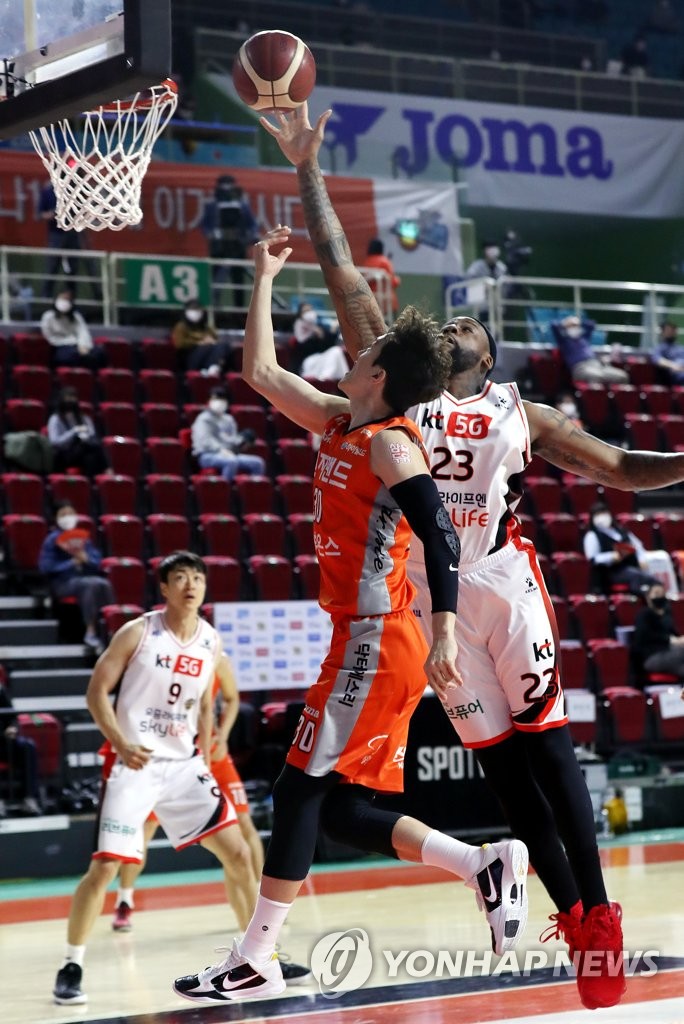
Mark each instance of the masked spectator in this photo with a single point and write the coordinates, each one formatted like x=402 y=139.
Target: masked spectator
x=573 y=337
x=197 y=342
x=68 y=334
x=619 y=556
x=73 y=437
x=218 y=443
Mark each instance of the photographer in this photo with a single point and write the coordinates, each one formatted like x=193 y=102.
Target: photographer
x=230 y=228
x=219 y=444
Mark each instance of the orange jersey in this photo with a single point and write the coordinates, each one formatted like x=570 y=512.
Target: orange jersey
x=360 y=534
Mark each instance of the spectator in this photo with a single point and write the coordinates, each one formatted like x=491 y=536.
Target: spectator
x=59 y=238
x=71 y=563
x=668 y=355
x=568 y=406
x=634 y=58
x=619 y=557
x=217 y=442
x=310 y=336
x=489 y=264
x=197 y=342
x=230 y=228
x=375 y=257
x=616 y=813
x=20 y=753
x=73 y=437
x=68 y=334
x=656 y=645
x=573 y=337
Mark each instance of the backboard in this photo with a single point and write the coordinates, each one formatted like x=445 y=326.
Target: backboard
x=62 y=57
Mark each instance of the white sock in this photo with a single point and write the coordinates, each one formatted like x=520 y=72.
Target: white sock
x=259 y=941
x=74 y=955
x=125 y=896
x=440 y=851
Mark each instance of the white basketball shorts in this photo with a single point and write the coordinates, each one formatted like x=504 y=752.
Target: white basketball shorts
x=183 y=794
x=509 y=650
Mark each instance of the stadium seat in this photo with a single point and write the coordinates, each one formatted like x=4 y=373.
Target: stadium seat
x=265 y=534
x=625 y=608
x=595 y=408
x=671 y=531
x=625 y=711
x=114 y=616
x=128 y=579
x=221 y=534
x=308 y=575
x=160 y=420
x=641 y=371
x=32 y=382
x=271 y=577
x=240 y=392
x=581 y=709
x=592 y=615
x=74 y=489
x=677 y=609
x=224 y=578
x=641 y=526
x=24 y=494
x=297 y=456
x=301 y=526
x=284 y=427
x=560 y=609
x=199 y=386
x=167 y=493
x=119 y=418
x=548 y=372
x=24 y=536
x=30 y=349
x=656 y=400
x=641 y=431
x=190 y=412
x=117 y=384
x=296 y=493
x=678 y=399
x=580 y=494
x=626 y=398
x=574 y=665
x=116 y=494
x=667 y=710
x=610 y=662
x=124 y=454
x=619 y=502
x=166 y=455
x=158 y=354
x=158 y=386
x=25 y=414
x=528 y=527
x=78 y=378
x=123 y=536
x=212 y=494
x=672 y=432
x=561 y=531
x=252 y=417
x=168 y=533
x=544 y=493
x=254 y=494
x=119 y=351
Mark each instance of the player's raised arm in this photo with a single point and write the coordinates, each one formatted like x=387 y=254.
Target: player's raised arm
x=358 y=313
x=559 y=441
x=301 y=402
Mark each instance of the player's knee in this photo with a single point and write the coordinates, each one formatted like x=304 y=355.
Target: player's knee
x=101 y=871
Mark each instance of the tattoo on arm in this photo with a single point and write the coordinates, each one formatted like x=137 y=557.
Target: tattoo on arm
x=323 y=224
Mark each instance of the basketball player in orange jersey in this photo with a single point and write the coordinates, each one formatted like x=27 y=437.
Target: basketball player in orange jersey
x=480 y=437
x=226 y=774
x=371 y=487
x=162 y=666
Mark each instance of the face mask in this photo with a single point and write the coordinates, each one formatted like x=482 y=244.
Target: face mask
x=659 y=602
x=492 y=252
x=218 y=405
x=67 y=522
x=568 y=408
x=194 y=315
x=574 y=332
x=62 y=305
x=311 y=316
x=603 y=520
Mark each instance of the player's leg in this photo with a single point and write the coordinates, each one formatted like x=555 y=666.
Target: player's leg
x=253 y=840
x=229 y=847
x=128 y=876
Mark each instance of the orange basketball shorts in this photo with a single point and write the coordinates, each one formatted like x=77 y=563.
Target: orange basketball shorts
x=356 y=716
x=230 y=783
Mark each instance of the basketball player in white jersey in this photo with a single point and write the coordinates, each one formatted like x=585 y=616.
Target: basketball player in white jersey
x=510 y=710
x=162 y=666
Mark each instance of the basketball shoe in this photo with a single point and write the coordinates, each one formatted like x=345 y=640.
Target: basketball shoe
x=501 y=891
x=67 y=990
x=122 y=918
x=566 y=926
x=233 y=978
x=601 y=978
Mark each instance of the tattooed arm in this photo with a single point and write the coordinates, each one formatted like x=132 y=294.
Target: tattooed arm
x=357 y=310
x=560 y=442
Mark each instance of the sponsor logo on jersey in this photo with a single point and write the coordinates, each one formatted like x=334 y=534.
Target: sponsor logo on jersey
x=333 y=471
x=432 y=420
x=353 y=449
x=187 y=666
x=356 y=676
x=530 y=585
x=474 y=426
x=543 y=651
x=163 y=661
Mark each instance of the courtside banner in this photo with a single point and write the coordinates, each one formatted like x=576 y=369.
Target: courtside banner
x=417 y=220
x=525 y=158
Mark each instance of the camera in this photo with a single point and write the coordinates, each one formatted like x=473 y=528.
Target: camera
x=515 y=255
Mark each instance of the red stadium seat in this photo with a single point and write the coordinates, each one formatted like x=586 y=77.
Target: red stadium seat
x=116 y=494
x=191 y=411
x=119 y=351
x=562 y=532
x=619 y=502
x=158 y=386
x=24 y=494
x=610 y=661
x=296 y=493
x=592 y=615
x=128 y=579
x=254 y=494
x=212 y=494
x=625 y=709
x=677 y=609
x=284 y=427
x=221 y=534
x=119 y=418
x=24 y=536
x=30 y=349
x=528 y=527
x=25 y=414
x=574 y=665
x=308 y=575
x=123 y=536
x=641 y=371
x=166 y=455
x=158 y=354
x=74 y=489
x=549 y=374
x=625 y=608
x=560 y=609
x=32 y=382
x=117 y=384
x=224 y=578
x=641 y=526
x=240 y=392
x=271 y=577
x=626 y=398
x=544 y=492
x=641 y=431
x=265 y=533
x=656 y=399
x=124 y=454
x=167 y=493
x=671 y=530
x=672 y=432
x=115 y=616
x=252 y=417
x=78 y=378
x=595 y=407
x=667 y=710
x=581 y=494
x=199 y=386
x=168 y=533
x=160 y=420
x=301 y=526
x=296 y=456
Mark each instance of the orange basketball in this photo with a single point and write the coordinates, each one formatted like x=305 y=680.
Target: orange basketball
x=274 y=71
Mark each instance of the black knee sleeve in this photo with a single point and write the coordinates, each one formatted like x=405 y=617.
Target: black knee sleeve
x=297 y=799
x=349 y=815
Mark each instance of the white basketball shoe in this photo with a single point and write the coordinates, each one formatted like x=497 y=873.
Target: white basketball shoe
x=501 y=891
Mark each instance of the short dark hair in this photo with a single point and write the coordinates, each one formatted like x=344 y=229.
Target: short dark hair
x=63 y=503
x=598 y=506
x=180 y=560
x=375 y=247
x=218 y=391
x=416 y=359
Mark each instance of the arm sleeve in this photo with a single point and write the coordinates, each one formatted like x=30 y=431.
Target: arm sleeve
x=419 y=500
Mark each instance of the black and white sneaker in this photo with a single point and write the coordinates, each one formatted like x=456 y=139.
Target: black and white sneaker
x=234 y=978
x=293 y=974
x=501 y=891
x=67 y=990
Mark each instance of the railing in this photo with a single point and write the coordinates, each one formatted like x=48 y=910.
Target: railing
x=102 y=285
x=522 y=308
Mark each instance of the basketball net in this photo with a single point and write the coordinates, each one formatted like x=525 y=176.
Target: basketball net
x=97 y=177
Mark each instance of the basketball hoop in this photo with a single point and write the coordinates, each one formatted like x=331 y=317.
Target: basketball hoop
x=97 y=178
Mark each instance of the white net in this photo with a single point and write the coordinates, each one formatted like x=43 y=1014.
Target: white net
x=97 y=172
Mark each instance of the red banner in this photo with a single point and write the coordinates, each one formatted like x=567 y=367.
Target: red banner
x=173 y=198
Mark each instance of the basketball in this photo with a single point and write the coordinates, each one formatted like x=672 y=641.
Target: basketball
x=274 y=71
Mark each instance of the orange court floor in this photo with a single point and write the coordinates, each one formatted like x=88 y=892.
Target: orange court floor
x=425 y=944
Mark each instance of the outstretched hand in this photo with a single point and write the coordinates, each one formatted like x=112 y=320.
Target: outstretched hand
x=266 y=263
x=294 y=134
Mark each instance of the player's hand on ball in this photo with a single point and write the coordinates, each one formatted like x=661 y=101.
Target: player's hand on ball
x=294 y=134
x=266 y=263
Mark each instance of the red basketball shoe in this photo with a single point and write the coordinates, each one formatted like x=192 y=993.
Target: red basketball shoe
x=601 y=977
